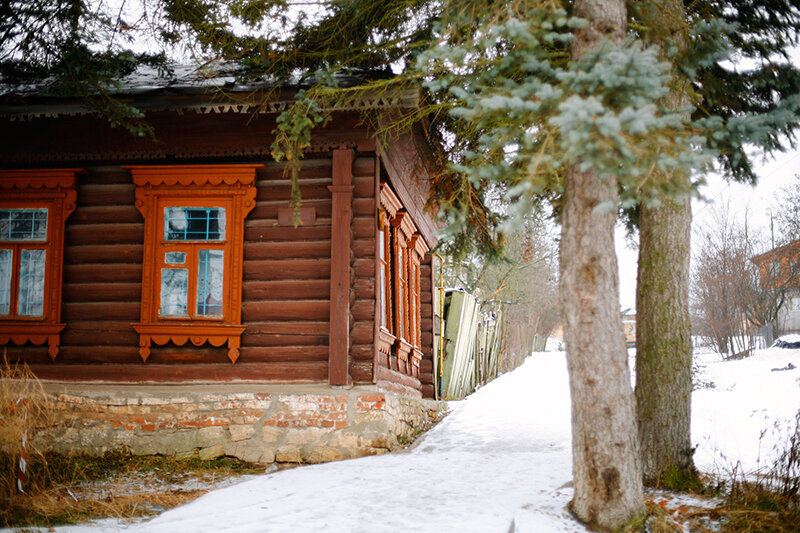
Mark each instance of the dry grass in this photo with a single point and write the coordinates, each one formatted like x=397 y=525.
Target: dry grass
x=69 y=490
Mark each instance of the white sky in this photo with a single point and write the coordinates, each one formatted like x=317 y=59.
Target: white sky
x=756 y=201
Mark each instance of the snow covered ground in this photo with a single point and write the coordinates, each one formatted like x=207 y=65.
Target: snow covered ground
x=500 y=462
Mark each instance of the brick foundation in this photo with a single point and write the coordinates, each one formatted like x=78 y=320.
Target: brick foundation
x=309 y=425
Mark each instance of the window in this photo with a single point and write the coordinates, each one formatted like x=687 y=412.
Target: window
x=33 y=207
x=400 y=249
x=193 y=253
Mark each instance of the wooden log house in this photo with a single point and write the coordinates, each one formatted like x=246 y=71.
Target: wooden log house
x=177 y=260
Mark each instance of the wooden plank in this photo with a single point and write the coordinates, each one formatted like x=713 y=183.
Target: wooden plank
x=104 y=253
x=88 y=273
x=319 y=167
x=363 y=166
x=84 y=234
x=106 y=195
x=258 y=231
x=102 y=292
x=262 y=311
x=307 y=289
x=300 y=372
x=106 y=175
x=105 y=214
x=339 y=339
x=281 y=250
x=287 y=269
x=101 y=311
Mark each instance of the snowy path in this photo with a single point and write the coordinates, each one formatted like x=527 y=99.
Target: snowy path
x=497 y=463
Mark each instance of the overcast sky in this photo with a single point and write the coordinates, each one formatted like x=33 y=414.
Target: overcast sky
x=755 y=201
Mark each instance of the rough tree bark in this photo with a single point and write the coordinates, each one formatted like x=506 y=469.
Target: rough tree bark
x=663 y=330
x=605 y=454
x=663 y=342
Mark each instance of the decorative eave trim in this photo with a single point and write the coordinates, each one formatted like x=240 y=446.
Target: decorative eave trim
x=404 y=99
x=417 y=242
x=389 y=200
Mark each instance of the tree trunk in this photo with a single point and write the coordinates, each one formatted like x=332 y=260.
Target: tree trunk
x=663 y=328
x=605 y=455
x=663 y=339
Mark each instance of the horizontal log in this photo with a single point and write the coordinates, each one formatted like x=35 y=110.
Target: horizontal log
x=105 y=214
x=363 y=186
x=311 y=289
x=426 y=338
x=362 y=352
x=364 y=248
x=363 y=332
x=428 y=391
x=106 y=194
x=104 y=253
x=304 y=372
x=102 y=292
x=363 y=310
x=83 y=234
x=253 y=338
x=425 y=367
x=288 y=269
x=274 y=354
x=385 y=374
x=127 y=311
x=361 y=371
x=97 y=354
x=364 y=288
x=309 y=169
x=269 y=209
x=99 y=333
x=288 y=328
x=364 y=267
x=426 y=310
x=89 y=273
x=287 y=249
x=364 y=228
x=258 y=231
x=26 y=354
x=364 y=207
x=262 y=311
x=284 y=192
x=364 y=167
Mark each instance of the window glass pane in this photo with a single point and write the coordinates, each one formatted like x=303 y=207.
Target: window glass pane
x=31 y=283
x=6 y=258
x=174 y=292
x=210 y=267
x=175 y=258
x=23 y=224
x=194 y=223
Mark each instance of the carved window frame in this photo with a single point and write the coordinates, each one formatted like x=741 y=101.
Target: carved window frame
x=55 y=190
x=231 y=187
x=400 y=329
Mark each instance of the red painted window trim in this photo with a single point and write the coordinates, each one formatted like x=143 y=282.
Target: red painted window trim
x=157 y=187
x=55 y=190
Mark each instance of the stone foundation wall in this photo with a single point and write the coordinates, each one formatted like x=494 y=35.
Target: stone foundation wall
x=295 y=426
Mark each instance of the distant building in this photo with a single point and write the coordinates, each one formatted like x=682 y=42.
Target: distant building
x=781 y=267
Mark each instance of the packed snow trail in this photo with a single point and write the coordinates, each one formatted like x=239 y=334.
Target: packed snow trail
x=498 y=463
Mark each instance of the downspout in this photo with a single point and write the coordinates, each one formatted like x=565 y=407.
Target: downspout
x=441 y=324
